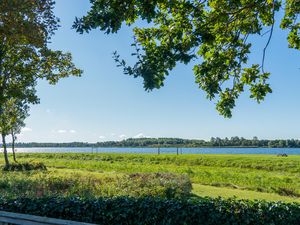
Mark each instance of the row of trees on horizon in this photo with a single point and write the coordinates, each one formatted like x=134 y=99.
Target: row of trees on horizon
x=176 y=142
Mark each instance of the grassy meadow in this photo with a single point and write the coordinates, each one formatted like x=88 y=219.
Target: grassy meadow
x=242 y=176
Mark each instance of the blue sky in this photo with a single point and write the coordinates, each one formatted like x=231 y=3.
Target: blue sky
x=105 y=104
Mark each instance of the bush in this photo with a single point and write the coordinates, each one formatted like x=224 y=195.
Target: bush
x=165 y=185
x=148 y=211
x=287 y=192
x=54 y=183
x=25 y=166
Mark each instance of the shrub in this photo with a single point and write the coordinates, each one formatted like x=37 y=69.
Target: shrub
x=287 y=192
x=24 y=166
x=148 y=211
x=166 y=185
x=53 y=183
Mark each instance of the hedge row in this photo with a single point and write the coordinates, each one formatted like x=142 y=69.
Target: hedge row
x=124 y=210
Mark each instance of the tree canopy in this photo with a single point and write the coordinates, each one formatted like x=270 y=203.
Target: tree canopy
x=215 y=34
x=26 y=28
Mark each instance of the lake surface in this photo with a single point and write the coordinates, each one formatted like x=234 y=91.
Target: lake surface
x=271 y=151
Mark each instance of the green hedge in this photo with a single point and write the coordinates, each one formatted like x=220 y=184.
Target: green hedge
x=146 y=211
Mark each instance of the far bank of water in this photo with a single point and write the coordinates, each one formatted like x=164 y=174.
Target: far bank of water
x=271 y=151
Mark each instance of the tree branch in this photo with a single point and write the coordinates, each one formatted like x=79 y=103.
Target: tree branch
x=269 y=39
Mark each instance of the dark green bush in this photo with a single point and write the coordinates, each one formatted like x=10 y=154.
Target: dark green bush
x=156 y=211
x=25 y=166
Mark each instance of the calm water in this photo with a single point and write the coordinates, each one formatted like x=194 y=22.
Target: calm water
x=272 y=151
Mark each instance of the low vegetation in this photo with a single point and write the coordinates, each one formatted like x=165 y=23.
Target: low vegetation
x=260 y=173
x=151 y=210
x=87 y=184
x=141 y=187
x=24 y=166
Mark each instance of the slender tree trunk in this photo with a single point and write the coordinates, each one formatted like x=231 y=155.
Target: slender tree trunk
x=5 y=150
x=13 y=145
x=2 y=86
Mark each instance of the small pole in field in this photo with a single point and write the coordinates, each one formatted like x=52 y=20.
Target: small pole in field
x=158 y=150
x=177 y=151
x=181 y=150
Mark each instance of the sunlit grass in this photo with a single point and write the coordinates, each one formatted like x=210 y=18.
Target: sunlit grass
x=204 y=190
x=266 y=176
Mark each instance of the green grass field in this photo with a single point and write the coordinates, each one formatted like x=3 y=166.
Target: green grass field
x=243 y=176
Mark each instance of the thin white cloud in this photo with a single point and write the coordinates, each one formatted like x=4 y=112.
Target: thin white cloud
x=72 y=131
x=48 y=111
x=141 y=135
x=112 y=134
x=26 y=129
x=123 y=136
x=61 y=131
x=102 y=137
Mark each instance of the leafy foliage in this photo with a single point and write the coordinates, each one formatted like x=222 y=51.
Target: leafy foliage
x=27 y=22
x=124 y=210
x=26 y=28
x=216 y=34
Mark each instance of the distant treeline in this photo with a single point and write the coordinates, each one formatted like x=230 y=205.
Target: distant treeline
x=176 y=142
